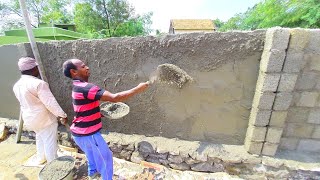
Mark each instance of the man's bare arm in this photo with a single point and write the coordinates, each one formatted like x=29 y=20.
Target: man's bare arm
x=124 y=95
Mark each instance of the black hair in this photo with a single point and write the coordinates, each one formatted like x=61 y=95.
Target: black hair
x=29 y=71
x=67 y=67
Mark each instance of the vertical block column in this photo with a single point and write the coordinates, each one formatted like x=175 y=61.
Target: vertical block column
x=272 y=97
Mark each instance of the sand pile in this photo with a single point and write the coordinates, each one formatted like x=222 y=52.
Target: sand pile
x=172 y=74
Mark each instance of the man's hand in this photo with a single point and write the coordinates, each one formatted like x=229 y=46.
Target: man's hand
x=63 y=121
x=142 y=86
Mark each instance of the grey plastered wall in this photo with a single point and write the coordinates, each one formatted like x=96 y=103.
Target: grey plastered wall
x=215 y=107
x=9 y=73
x=302 y=126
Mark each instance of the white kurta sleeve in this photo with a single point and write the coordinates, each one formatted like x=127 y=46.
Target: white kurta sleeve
x=47 y=98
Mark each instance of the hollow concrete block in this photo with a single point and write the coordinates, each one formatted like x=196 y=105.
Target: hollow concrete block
x=313 y=45
x=308 y=99
x=274 y=134
x=294 y=61
x=316 y=133
x=259 y=117
x=272 y=60
x=298 y=114
x=287 y=82
x=310 y=145
x=253 y=147
x=263 y=100
x=277 y=38
x=282 y=101
x=269 y=149
x=278 y=118
x=298 y=130
x=299 y=39
x=267 y=82
x=289 y=143
x=307 y=81
x=313 y=59
x=314 y=116
x=255 y=133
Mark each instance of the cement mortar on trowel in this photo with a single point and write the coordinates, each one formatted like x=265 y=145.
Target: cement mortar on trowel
x=114 y=110
x=172 y=74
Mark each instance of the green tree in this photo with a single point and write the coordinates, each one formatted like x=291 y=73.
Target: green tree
x=55 y=12
x=232 y=24
x=134 y=27
x=87 y=20
x=41 y=11
x=305 y=13
x=109 y=18
x=270 y=13
x=218 y=23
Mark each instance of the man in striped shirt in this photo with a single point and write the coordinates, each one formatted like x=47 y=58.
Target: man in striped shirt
x=87 y=123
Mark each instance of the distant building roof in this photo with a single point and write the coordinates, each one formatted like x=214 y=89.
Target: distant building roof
x=192 y=24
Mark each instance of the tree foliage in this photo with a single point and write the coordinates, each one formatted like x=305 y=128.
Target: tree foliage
x=41 y=11
x=98 y=18
x=55 y=12
x=108 y=18
x=218 y=23
x=87 y=19
x=270 y=13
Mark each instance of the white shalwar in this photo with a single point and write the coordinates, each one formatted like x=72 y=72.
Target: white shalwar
x=39 y=113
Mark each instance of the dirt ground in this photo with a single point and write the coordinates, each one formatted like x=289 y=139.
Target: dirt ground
x=14 y=155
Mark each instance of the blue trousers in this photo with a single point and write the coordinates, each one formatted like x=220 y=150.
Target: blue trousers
x=98 y=154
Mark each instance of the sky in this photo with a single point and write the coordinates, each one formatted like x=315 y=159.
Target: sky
x=164 y=10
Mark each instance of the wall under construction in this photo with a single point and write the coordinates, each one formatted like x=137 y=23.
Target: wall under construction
x=247 y=89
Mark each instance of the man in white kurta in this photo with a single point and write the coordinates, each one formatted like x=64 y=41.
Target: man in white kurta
x=39 y=108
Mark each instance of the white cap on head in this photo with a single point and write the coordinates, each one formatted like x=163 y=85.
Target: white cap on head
x=27 y=63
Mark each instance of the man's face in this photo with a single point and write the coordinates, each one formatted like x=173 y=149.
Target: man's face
x=82 y=69
x=37 y=73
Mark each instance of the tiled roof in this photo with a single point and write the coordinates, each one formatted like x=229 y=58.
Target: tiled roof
x=197 y=24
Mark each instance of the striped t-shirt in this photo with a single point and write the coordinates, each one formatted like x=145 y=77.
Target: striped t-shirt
x=85 y=100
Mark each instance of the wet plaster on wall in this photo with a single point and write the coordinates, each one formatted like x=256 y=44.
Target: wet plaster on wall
x=215 y=107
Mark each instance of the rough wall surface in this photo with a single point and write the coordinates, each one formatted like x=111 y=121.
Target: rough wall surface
x=280 y=92
x=215 y=107
x=302 y=126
